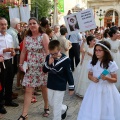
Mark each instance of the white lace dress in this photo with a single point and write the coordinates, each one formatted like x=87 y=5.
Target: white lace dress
x=115 y=46
x=81 y=73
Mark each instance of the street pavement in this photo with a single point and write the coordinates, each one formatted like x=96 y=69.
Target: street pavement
x=36 y=109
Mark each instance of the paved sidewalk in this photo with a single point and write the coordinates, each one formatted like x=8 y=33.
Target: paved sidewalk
x=36 y=109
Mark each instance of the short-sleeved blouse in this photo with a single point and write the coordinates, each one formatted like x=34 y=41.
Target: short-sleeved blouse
x=97 y=69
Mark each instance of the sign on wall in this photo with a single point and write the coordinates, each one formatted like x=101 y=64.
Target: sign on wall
x=80 y=21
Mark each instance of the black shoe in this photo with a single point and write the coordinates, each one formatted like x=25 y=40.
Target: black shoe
x=23 y=117
x=3 y=110
x=64 y=114
x=12 y=104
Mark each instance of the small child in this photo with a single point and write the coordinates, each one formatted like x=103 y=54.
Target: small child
x=102 y=99
x=59 y=73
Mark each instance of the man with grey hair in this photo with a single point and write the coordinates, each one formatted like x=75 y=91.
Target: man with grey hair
x=13 y=31
x=56 y=32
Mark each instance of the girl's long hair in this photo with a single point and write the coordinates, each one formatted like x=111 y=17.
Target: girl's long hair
x=106 y=58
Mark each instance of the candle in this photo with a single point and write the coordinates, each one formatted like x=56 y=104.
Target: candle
x=12 y=57
x=4 y=65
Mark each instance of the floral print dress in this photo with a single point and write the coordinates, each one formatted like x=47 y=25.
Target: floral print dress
x=34 y=76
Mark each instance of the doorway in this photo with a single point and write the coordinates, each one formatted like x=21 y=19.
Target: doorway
x=108 y=18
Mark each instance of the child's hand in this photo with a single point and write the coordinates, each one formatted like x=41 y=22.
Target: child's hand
x=71 y=92
x=51 y=60
x=103 y=77
x=94 y=79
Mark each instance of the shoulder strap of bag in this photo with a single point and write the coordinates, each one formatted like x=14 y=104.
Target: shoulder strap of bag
x=69 y=37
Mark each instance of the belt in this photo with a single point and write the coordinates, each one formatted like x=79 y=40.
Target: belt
x=114 y=50
x=8 y=60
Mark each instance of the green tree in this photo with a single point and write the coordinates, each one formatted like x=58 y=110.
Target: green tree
x=4 y=10
x=44 y=7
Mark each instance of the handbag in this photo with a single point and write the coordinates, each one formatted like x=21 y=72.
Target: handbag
x=25 y=66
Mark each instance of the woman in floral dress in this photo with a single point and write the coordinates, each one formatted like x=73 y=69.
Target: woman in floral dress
x=36 y=46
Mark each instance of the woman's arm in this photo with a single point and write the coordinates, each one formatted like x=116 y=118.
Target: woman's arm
x=82 y=58
x=23 y=53
x=82 y=47
x=45 y=43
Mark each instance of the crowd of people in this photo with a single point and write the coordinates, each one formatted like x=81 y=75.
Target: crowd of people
x=48 y=58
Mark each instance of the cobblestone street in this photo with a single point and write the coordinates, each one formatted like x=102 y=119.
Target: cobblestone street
x=36 y=109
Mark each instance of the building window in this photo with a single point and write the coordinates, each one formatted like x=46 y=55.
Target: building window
x=110 y=13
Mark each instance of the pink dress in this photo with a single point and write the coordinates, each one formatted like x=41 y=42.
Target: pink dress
x=34 y=76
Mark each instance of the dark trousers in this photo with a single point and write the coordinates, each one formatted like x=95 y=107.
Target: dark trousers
x=15 y=64
x=6 y=79
x=74 y=54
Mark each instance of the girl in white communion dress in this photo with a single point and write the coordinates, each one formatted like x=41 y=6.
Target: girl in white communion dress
x=102 y=99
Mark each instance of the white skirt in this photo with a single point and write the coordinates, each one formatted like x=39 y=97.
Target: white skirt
x=101 y=102
x=81 y=79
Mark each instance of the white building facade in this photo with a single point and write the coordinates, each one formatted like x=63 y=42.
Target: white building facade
x=69 y=5
x=111 y=8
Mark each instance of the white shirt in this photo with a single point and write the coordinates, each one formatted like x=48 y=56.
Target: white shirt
x=6 y=41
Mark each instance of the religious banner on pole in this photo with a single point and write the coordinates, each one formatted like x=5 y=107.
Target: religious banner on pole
x=14 y=13
x=22 y=12
x=80 y=22
x=25 y=13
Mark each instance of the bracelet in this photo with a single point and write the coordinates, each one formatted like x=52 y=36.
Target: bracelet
x=20 y=64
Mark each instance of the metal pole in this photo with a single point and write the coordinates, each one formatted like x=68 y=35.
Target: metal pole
x=100 y=25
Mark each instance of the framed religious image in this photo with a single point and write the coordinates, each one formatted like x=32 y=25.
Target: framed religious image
x=72 y=23
x=80 y=22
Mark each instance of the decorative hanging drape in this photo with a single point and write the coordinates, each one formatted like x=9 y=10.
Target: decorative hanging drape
x=22 y=12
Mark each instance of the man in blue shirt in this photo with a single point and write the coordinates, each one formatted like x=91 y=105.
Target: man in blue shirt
x=74 y=52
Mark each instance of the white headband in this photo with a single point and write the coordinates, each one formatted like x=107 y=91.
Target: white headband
x=103 y=46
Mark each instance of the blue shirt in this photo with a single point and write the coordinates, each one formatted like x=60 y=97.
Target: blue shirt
x=74 y=38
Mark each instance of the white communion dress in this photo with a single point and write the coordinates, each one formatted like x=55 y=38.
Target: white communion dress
x=81 y=73
x=102 y=99
x=115 y=46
